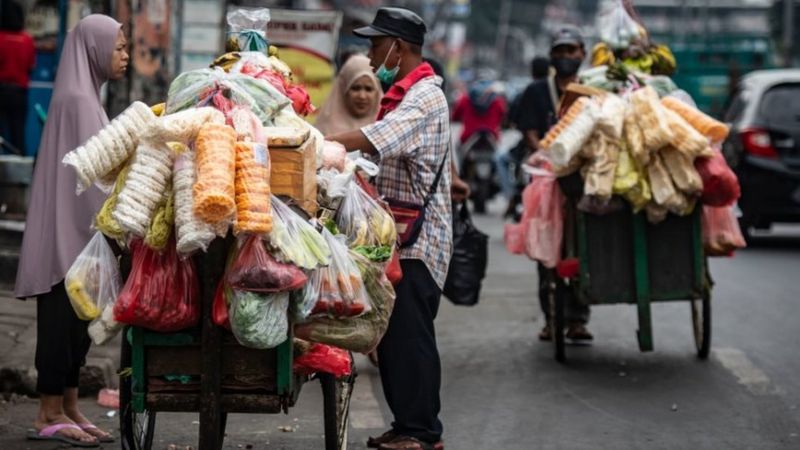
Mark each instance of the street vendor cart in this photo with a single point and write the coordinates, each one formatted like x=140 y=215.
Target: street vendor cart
x=205 y=370
x=622 y=258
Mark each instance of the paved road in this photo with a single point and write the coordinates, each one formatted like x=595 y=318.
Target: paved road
x=502 y=389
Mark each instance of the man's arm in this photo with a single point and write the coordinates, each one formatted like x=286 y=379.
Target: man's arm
x=353 y=141
x=532 y=139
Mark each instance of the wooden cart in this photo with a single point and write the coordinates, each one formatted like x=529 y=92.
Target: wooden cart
x=205 y=370
x=625 y=259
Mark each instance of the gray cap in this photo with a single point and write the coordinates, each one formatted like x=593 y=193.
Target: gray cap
x=566 y=35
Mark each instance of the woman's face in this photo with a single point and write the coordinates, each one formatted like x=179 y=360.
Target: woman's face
x=361 y=97
x=119 y=59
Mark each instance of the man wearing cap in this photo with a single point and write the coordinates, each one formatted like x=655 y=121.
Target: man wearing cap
x=411 y=140
x=537 y=113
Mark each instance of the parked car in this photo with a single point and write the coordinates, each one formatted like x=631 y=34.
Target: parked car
x=764 y=147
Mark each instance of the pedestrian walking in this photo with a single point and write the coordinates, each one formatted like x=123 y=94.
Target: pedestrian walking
x=56 y=229
x=412 y=141
x=17 y=58
x=537 y=113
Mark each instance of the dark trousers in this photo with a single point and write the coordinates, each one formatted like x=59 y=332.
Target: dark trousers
x=62 y=342
x=13 y=110
x=408 y=357
x=574 y=311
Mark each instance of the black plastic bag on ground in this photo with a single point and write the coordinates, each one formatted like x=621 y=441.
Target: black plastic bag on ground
x=468 y=264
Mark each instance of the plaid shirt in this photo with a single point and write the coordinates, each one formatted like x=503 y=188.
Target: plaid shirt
x=412 y=140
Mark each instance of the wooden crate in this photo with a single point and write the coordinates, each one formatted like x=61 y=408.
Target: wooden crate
x=294 y=174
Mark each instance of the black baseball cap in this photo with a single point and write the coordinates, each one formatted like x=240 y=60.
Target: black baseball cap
x=395 y=22
x=566 y=35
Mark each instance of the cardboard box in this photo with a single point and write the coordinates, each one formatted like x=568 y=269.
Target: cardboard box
x=294 y=174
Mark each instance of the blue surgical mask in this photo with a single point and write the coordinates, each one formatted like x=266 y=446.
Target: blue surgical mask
x=387 y=76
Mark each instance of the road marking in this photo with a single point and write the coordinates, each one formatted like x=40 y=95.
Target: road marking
x=365 y=411
x=743 y=369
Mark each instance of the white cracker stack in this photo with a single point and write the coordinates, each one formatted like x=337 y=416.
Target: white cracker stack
x=192 y=233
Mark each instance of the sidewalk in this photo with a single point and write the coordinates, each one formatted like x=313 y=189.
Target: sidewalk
x=18 y=348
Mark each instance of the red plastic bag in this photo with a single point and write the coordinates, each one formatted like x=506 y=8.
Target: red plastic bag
x=162 y=291
x=301 y=101
x=324 y=358
x=721 y=233
x=254 y=269
x=720 y=185
x=219 y=311
x=394 y=272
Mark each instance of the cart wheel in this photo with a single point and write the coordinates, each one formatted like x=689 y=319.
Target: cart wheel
x=336 y=393
x=701 y=324
x=136 y=429
x=557 y=320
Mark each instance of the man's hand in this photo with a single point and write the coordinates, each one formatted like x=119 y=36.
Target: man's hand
x=459 y=190
x=353 y=141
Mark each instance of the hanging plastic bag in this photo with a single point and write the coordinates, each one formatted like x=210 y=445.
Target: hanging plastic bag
x=259 y=320
x=255 y=269
x=93 y=281
x=295 y=240
x=468 y=263
x=652 y=119
x=616 y=27
x=720 y=185
x=162 y=292
x=544 y=230
x=342 y=291
x=368 y=227
x=602 y=151
x=247 y=28
x=721 y=233
x=219 y=310
x=304 y=300
x=324 y=358
x=360 y=334
x=682 y=170
x=570 y=141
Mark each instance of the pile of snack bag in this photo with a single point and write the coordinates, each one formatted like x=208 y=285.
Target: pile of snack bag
x=197 y=168
x=632 y=137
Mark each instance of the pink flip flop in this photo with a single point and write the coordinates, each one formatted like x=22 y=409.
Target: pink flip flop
x=51 y=433
x=90 y=426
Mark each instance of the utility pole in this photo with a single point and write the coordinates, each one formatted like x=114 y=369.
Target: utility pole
x=788 y=32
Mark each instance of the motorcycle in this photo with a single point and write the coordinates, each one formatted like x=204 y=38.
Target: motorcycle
x=478 y=168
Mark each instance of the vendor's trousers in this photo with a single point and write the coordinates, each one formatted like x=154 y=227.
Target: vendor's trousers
x=62 y=342
x=575 y=312
x=409 y=358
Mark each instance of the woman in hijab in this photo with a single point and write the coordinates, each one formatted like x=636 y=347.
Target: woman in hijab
x=354 y=99
x=58 y=226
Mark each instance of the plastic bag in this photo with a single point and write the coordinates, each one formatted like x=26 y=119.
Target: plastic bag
x=342 y=291
x=183 y=126
x=163 y=222
x=612 y=115
x=602 y=151
x=105 y=327
x=334 y=156
x=254 y=269
x=366 y=223
x=247 y=125
x=570 y=142
x=301 y=101
x=295 y=240
x=304 y=300
x=631 y=183
x=663 y=189
x=93 y=281
x=682 y=171
x=214 y=191
x=148 y=179
x=324 y=358
x=720 y=185
x=652 y=119
x=721 y=233
x=253 y=212
x=360 y=334
x=192 y=233
x=685 y=138
x=248 y=29
x=259 y=320
x=162 y=292
x=104 y=220
x=219 y=310
x=616 y=27
x=110 y=147
x=706 y=125
x=468 y=263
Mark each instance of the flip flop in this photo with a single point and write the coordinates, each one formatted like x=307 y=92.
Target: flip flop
x=51 y=433
x=90 y=426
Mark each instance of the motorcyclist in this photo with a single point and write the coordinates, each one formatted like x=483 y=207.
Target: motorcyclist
x=481 y=108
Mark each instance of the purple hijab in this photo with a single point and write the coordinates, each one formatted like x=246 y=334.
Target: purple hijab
x=58 y=224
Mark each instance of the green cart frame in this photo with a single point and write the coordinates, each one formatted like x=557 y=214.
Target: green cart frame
x=625 y=259
x=205 y=370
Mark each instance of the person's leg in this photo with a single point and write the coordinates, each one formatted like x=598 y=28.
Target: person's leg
x=577 y=315
x=503 y=161
x=54 y=359
x=544 y=301
x=17 y=119
x=408 y=356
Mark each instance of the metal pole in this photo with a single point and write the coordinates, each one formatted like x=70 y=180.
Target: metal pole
x=502 y=34
x=788 y=32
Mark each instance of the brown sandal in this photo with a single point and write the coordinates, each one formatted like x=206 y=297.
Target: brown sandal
x=375 y=442
x=410 y=443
